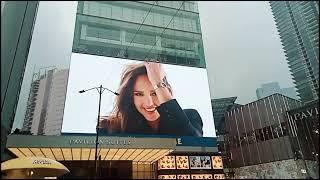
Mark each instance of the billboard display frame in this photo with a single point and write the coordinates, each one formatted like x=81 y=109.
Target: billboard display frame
x=110 y=79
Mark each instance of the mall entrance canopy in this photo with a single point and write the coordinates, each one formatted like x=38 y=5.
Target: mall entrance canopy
x=82 y=147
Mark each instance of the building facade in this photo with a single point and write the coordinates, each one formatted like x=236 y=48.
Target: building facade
x=220 y=107
x=17 y=24
x=306 y=132
x=298 y=26
x=290 y=92
x=141 y=30
x=44 y=114
x=261 y=140
x=274 y=87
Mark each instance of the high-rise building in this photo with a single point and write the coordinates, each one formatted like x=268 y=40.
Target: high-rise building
x=53 y=123
x=273 y=88
x=41 y=103
x=298 y=26
x=17 y=23
x=268 y=89
x=220 y=107
x=140 y=30
x=290 y=92
x=45 y=107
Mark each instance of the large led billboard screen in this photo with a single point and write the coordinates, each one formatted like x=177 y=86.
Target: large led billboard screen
x=179 y=105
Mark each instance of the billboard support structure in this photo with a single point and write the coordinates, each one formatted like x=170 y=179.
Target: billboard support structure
x=100 y=90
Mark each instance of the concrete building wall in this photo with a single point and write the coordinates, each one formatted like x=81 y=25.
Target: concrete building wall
x=285 y=169
x=53 y=122
x=38 y=108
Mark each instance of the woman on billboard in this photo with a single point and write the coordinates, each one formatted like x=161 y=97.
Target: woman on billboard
x=145 y=105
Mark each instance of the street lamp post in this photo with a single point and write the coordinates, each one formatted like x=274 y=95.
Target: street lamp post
x=100 y=90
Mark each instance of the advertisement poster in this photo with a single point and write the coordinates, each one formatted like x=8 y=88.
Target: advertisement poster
x=200 y=162
x=131 y=104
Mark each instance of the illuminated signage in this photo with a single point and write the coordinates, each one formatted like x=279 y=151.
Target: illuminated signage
x=183 y=176
x=190 y=162
x=217 y=162
x=201 y=176
x=182 y=162
x=218 y=176
x=166 y=176
x=101 y=141
x=200 y=162
x=188 y=110
x=167 y=162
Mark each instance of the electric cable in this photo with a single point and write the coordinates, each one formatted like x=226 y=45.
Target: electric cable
x=164 y=30
x=138 y=29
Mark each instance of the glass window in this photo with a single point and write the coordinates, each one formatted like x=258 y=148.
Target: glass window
x=105 y=10
x=150 y=19
x=110 y=34
x=178 y=23
x=85 y=8
x=166 y=20
x=116 y=12
x=140 y=38
x=190 y=6
x=92 y=32
x=94 y=9
x=103 y=33
x=127 y=14
x=158 y=20
x=138 y=15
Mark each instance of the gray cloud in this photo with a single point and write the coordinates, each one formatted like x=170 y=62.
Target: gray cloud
x=242 y=49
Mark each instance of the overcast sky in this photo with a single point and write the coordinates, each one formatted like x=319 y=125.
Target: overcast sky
x=242 y=49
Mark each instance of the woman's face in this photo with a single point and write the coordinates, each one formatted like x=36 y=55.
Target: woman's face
x=145 y=98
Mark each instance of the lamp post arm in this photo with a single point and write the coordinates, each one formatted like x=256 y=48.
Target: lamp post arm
x=82 y=91
x=111 y=91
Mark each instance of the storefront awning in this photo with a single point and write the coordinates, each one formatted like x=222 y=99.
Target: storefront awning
x=69 y=148
x=32 y=167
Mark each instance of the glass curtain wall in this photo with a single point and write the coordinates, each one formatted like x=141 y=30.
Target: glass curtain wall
x=168 y=31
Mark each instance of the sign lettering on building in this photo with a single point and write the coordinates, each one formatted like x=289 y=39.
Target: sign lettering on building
x=179 y=141
x=313 y=112
x=41 y=162
x=101 y=141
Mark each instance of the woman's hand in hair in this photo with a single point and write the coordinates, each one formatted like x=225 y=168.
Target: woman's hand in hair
x=155 y=72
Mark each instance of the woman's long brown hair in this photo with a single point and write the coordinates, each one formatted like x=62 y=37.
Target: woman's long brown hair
x=124 y=110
